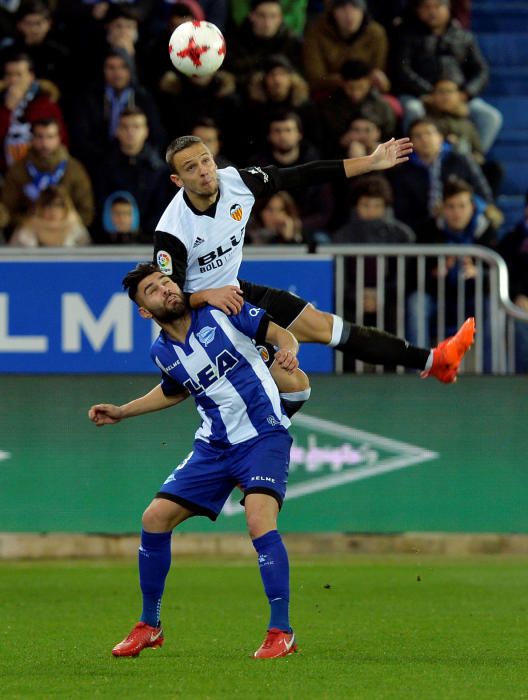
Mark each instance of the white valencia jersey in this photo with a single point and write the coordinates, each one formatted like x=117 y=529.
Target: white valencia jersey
x=213 y=244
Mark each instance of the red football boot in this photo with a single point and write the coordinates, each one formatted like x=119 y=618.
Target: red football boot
x=277 y=643
x=448 y=354
x=141 y=637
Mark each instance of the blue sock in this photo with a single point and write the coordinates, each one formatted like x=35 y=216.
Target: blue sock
x=154 y=563
x=275 y=573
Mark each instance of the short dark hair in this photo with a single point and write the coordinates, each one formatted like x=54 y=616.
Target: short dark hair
x=284 y=115
x=132 y=279
x=19 y=57
x=32 y=7
x=372 y=186
x=424 y=121
x=354 y=70
x=455 y=185
x=132 y=111
x=179 y=144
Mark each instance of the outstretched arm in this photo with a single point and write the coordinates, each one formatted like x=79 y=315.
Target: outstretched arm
x=387 y=155
x=108 y=414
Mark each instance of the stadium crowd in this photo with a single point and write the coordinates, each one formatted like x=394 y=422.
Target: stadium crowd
x=89 y=101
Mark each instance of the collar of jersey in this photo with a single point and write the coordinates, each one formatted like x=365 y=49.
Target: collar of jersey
x=210 y=211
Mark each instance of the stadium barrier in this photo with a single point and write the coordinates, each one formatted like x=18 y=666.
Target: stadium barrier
x=90 y=313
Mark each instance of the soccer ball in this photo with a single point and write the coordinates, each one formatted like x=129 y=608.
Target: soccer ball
x=197 y=48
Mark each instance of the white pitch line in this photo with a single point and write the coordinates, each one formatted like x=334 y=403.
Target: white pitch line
x=4 y=455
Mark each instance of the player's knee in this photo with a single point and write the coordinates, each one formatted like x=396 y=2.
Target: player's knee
x=313 y=326
x=155 y=519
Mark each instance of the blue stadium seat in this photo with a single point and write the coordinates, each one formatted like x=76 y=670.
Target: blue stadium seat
x=515 y=177
x=505 y=49
x=498 y=16
x=514 y=111
x=512 y=206
x=507 y=81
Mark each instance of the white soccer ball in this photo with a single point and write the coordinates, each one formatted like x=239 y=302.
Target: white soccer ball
x=197 y=48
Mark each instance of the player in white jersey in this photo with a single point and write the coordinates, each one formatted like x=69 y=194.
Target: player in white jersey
x=243 y=440
x=200 y=236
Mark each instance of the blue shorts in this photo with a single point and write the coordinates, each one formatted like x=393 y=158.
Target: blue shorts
x=203 y=481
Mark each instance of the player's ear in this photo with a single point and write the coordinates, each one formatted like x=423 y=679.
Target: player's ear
x=144 y=313
x=176 y=179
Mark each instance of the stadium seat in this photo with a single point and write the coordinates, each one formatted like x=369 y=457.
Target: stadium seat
x=507 y=80
x=515 y=179
x=512 y=206
x=496 y=16
x=505 y=49
x=514 y=111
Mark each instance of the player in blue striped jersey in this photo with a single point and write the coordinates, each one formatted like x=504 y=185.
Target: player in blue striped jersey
x=243 y=440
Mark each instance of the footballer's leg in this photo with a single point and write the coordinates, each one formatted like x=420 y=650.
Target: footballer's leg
x=381 y=348
x=154 y=560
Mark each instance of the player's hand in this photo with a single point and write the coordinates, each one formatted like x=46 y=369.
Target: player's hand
x=287 y=360
x=391 y=153
x=228 y=299
x=105 y=414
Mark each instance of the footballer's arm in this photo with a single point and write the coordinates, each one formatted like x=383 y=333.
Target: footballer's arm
x=286 y=355
x=156 y=400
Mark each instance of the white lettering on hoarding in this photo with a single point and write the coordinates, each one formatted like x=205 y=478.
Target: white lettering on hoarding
x=77 y=317
x=17 y=343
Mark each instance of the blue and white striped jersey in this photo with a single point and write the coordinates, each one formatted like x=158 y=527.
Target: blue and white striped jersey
x=222 y=369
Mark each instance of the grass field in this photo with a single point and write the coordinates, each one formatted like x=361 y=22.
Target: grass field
x=390 y=627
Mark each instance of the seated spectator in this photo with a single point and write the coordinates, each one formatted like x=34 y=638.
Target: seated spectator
x=418 y=184
x=356 y=97
x=371 y=222
x=279 y=87
x=23 y=100
x=53 y=222
x=434 y=48
x=155 y=70
x=293 y=11
x=459 y=222
x=47 y=163
x=95 y=115
x=184 y=100
x=344 y=32
x=287 y=148
x=361 y=138
x=275 y=220
x=207 y=130
x=50 y=59
x=514 y=249
x=262 y=34
x=121 y=224
x=132 y=165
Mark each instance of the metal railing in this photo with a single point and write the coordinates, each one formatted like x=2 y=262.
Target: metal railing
x=493 y=308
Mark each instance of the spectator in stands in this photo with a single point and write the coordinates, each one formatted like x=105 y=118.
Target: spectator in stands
x=54 y=222
x=371 y=222
x=279 y=87
x=155 y=70
x=293 y=11
x=95 y=116
x=287 y=148
x=184 y=100
x=120 y=221
x=275 y=220
x=361 y=138
x=23 y=100
x=207 y=130
x=434 y=48
x=356 y=97
x=262 y=34
x=47 y=163
x=50 y=59
x=133 y=165
x=514 y=249
x=344 y=32
x=419 y=183
x=122 y=29
x=461 y=222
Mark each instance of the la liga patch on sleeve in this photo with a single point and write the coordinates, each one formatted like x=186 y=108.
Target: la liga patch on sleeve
x=164 y=262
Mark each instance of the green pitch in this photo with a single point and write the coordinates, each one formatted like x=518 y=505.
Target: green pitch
x=400 y=628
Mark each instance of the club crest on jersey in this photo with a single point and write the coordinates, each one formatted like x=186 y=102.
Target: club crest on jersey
x=263 y=352
x=206 y=335
x=236 y=212
x=164 y=262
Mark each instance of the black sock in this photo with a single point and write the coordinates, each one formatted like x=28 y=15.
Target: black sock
x=380 y=348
